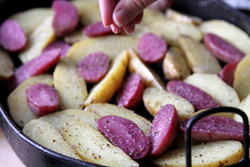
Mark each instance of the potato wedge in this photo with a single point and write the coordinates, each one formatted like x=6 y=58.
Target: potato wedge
x=110 y=45
x=200 y=59
x=19 y=110
x=150 y=77
x=175 y=66
x=58 y=119
x=104 y=90
x=70 y=86
x=170 y=30
x=38 y=39
x=228 y=32
x=155 y=98
x=213 y=85
x=244 y=106
x=74 y=37
x=223 y=114
x=6 y=65
x=31 y=18
x=242 y=77
x=88 y=11
x=182 y=17
x=103 y=109
x=93 y=147
x=216 y=154
x=46 y=135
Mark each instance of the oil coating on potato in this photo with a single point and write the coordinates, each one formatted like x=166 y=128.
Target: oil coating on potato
x=6 y=65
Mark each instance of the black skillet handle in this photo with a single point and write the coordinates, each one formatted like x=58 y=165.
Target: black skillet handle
x=192 y=121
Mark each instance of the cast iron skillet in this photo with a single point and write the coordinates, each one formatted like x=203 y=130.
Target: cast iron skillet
x=33 y=154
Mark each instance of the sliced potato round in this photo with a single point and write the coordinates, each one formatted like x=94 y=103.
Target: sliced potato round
x=103 y=109
x=45 y=134
x=242 y=77
x=6 y=65
x=70 y=86
x=229 y=32
x=199 y=58
x=155 y=98
x=18 y=106
x=216 y=154
x=175 y=66
x=213 y=85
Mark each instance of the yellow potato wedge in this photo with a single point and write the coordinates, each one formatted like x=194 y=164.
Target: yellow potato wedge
x=46 y=135
x=93 y=147
x=74 y=37
x=170 y=30
x=182 y=17
x=175 y=66
x=19 y=109
x=242 y=77
x=31 y=18
x=199 y=58
x=88 y=11
x=211 y=154
x=150 y=77
x=110 y=45
x=245 y=107
x=70 y=86
x=103 y=109
x=154 y=99
x=6 y=65
x=228 y=32
x=58 y=119
x=213 y=85
x=104 y=90
x=38 y=39
x=223 y=114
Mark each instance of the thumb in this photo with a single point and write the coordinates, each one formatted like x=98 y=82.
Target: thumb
x=127 y=10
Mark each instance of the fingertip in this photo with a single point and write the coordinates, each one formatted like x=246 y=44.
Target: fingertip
x=129 y=28
x=116 y=29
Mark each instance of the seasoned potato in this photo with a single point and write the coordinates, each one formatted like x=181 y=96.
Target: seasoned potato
x=154 y=99
x=211 y=154
x=175 y=66
x=228 y=32
x=88 y=11
x=182 y=17
x=58 y=119
x=31 y=18
x=104 y=90
x=150 y=77
x=110 y=45
x=213 y=85
x=18 y=106
x=38 y=39
x=6 y=65
x=93 y=147
x=244 y=106
x=223 y=114
x=70 y=86
x=45 y=134
x=242 y=77
x=170 y=30
x=103 y=109
x=200 y=59
x=74 y=37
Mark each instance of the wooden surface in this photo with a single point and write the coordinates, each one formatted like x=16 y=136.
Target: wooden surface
x=8 y=158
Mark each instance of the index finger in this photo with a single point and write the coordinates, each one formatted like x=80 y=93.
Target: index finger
x=106 y=8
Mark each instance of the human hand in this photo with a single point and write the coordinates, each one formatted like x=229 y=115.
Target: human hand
x=125 y=14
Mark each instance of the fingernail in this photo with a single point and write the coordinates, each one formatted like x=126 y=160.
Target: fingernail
x=121 y=17
x=116 y=29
